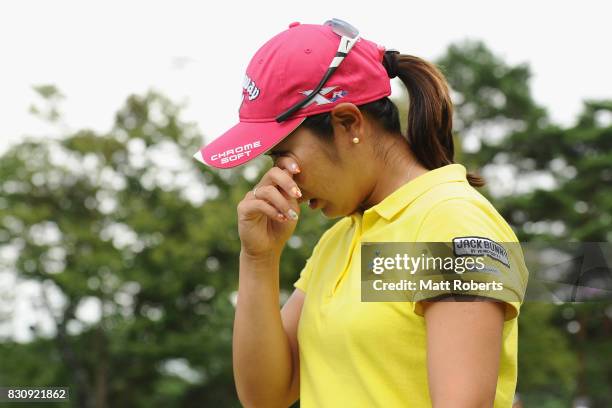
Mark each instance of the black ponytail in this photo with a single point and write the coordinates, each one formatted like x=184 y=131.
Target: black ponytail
x=430 y=113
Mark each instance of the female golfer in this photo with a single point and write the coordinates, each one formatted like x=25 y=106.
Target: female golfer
x=315 y=99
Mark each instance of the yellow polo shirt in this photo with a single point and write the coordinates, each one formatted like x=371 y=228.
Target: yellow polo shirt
x=373 y=354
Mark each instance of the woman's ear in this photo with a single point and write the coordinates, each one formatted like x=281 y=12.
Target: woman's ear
x=346 y=118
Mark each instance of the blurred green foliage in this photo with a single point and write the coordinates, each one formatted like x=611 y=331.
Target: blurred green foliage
x=128 y=221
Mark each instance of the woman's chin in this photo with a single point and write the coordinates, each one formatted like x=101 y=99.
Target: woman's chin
x=327 y=210
x=330 y=211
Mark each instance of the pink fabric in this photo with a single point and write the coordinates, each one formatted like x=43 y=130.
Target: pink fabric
x=279 y=73
x=244 y=142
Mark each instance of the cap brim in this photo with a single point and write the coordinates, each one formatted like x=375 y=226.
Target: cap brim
x=244 y=142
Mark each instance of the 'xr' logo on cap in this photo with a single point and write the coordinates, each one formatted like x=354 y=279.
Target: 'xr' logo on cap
x=320 y=98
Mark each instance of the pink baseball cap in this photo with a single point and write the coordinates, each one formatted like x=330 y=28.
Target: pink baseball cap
x=283 y=72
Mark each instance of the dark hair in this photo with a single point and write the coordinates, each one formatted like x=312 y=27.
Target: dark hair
x=430 y=114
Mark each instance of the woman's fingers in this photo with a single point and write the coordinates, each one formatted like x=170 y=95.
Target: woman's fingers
x=274 y=197
x=278 y=191
x=253 y=207
x=287 y=163
x=283 y=179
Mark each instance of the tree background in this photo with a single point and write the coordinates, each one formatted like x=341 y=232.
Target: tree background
x=128 y=248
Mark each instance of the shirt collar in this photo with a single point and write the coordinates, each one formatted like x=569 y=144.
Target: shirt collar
x=406 y=194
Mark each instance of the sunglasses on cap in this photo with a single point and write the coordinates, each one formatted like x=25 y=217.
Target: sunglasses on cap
x=349 y=36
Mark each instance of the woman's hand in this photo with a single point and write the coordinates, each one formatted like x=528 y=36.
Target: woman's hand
x=267 y=218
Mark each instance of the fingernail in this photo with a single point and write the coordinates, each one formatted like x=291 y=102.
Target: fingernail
x=295 y=168
x=296 y=192
x=292 y=214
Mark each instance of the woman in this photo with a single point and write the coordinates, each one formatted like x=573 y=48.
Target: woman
x=337 y=144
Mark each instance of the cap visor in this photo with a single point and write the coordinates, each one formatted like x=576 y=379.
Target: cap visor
x=244 y=142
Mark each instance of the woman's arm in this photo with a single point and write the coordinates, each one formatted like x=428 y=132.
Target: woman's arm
x=463 y=350
x=263 y=351
x=266 y=364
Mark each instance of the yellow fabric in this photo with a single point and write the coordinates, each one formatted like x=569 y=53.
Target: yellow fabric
x=373 y=354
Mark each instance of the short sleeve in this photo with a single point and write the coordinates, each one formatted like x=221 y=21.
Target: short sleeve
x=305 y=278
x=461 y=220
x=307 y=271
x=302 y=282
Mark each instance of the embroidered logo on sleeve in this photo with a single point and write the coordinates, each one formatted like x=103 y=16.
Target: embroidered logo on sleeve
x=470 y=246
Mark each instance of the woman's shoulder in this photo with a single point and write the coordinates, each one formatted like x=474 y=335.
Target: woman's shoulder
x=464 y=212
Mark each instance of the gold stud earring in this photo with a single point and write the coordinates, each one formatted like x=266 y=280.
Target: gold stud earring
x=355 y=140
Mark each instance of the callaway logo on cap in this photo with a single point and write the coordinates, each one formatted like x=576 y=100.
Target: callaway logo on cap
x=286 y=71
